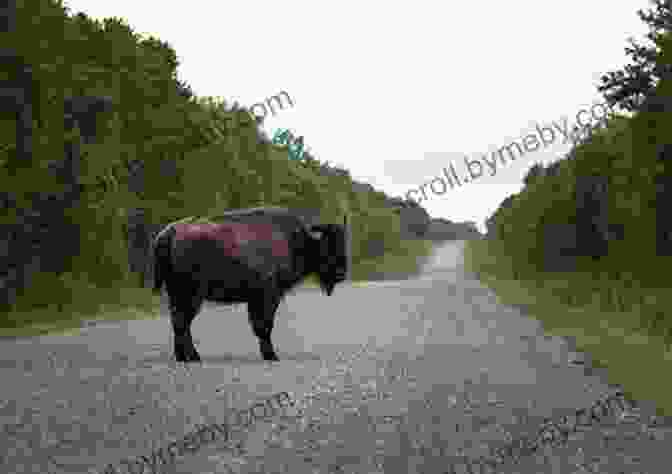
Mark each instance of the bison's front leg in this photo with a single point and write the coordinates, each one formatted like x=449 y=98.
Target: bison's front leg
x=262 y=317
x=181 y=315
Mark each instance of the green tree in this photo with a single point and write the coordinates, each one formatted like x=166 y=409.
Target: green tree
x=629 y=86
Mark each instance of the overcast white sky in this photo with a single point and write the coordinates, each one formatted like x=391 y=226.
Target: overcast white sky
x=395 y=91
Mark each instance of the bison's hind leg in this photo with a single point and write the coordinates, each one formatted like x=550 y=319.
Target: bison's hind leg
x=183 y=310
x=262 y=317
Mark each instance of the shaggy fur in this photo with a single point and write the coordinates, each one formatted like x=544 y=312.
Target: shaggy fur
x=252 y=256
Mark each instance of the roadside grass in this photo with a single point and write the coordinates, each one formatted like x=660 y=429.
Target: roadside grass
x=621 y=326
x=406 y=260
x=101 y=305
x=96 y=304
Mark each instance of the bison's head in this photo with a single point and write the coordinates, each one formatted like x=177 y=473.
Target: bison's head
x=330 y=259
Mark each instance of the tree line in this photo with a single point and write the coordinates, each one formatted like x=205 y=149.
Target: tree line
x=600 y=210
x=160 y=153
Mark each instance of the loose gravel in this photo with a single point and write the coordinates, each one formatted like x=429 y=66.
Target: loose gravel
x=394 y=377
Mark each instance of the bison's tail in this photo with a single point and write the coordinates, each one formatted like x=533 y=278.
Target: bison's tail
x=162 y=258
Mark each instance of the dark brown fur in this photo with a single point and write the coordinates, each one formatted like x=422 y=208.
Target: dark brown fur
x=252 y=256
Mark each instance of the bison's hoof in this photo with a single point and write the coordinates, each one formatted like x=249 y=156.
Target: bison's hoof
x=184 y=359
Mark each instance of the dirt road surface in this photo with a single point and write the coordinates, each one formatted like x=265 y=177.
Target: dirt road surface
x=395 y=377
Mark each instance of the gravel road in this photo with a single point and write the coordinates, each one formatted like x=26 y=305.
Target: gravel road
x=405 y=376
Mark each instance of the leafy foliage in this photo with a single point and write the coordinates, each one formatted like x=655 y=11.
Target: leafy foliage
x=622 y=171
x=629 y=87
x=162 y=150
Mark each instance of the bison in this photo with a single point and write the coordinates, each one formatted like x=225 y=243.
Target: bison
x=252 y=256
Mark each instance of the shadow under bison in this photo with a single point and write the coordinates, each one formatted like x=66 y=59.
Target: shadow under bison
x=252 y=256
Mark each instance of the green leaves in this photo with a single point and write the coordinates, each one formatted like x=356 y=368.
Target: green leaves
x=160 y=151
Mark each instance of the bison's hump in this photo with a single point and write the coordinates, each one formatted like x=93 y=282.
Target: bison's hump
x=237 y=239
